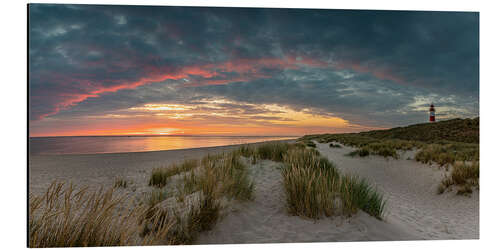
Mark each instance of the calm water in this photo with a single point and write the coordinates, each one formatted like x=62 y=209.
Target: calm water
x=115 y=144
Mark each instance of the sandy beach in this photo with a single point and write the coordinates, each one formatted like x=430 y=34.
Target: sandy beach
x=95 y=170
x=414 y=210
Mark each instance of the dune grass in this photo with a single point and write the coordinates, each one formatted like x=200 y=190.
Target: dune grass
x=362 y=152
x=65 y=217
x=120 y=183
x=185 y=226
x=357 y=194
x=217 y=176
x=160 y=175
x=464 y=175
x=314 y=187
x=223 y=175
x=156 y=196
x=310 y=183
x=447 y=153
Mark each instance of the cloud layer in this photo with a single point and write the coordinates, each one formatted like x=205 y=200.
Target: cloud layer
x=369 y=68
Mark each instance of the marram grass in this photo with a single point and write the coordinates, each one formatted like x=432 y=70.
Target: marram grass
x=463 y=175
x=314 y=187
x=159 y=176
x=64 y=217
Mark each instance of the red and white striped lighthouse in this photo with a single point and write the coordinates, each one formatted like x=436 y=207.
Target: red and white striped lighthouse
x=432 y=117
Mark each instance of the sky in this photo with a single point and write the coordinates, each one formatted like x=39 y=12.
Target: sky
x=140 y=70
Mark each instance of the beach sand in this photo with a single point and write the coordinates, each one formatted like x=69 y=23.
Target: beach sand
x=95 y=170
x=414 y=210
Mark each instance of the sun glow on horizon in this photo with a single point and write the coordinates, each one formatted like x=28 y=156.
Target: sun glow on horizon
x=212 y=117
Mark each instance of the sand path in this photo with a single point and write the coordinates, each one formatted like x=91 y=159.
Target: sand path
x=410 y=189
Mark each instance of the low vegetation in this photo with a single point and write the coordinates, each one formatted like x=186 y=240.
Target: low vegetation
x=184 y=226
x=464 y=175
x=315 y=187
x=160 y=175
x=65 y=217
x=207 y=181
x=120 y=183
x=447 y=153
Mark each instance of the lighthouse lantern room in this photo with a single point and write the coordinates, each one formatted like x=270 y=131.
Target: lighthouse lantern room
x=432 y=117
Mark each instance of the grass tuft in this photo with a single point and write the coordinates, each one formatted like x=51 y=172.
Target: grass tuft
x=363 y=152
x=159 y=176
x=65 y=217
x=464 y=175
x=120 y=183
x=314 y=187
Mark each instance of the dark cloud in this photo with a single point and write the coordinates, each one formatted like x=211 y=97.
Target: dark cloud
x=370 y=67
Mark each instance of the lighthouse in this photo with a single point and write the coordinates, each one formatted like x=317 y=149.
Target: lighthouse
x=432 y=117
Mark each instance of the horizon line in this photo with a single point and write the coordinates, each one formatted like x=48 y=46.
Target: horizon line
x=160 y=135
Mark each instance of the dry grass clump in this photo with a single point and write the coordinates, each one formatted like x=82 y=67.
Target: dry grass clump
x=223 y=174
x=385 y=148
x=310 y=184
x=369 y=146
x=156 y=196
x=314 y=187
x=218 y=176
x=448 y=152
x=464 y=175
x=185 y=226
x=160 y=175
x=362 y=152
x=310 y=144
x=64 y=217
x=120 y=183
x=273 y=151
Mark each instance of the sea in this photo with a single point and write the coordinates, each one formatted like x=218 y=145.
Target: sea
x=119 y=144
